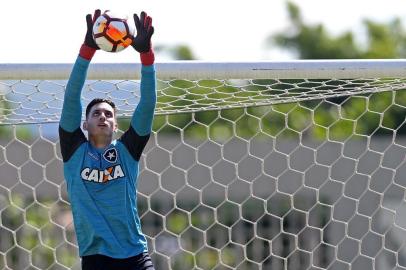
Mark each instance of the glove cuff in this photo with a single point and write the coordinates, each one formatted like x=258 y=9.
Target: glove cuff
x=147 y=58
x=87 y=52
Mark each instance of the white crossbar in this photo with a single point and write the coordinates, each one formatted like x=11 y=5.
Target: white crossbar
x=298 y=69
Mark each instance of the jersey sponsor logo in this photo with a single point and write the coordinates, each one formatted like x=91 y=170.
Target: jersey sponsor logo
x=110 y=155
x=99 y=176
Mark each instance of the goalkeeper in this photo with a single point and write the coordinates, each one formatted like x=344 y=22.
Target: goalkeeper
x=101 y=173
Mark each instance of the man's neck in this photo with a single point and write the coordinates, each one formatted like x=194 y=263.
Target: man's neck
x=100 y=142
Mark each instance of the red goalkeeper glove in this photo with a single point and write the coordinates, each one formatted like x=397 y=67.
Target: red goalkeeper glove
x=89 y=46
x=142 y=41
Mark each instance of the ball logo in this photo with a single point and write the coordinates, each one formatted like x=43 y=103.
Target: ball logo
x=110 y=155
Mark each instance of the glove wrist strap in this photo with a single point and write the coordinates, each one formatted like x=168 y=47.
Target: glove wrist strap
x=87 y=52
x=147 y=58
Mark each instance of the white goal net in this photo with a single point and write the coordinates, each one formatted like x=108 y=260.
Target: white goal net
x=268 y=165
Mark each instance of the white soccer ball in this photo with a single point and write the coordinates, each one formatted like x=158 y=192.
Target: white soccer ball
x=112 y=33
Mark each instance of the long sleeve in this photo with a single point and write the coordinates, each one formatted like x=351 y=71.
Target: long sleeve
x=72 y=106
x=144 y=113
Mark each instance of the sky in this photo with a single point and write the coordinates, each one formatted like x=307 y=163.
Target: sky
x=51 y=31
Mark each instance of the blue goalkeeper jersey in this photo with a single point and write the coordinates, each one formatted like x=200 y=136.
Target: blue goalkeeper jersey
x=101 y=183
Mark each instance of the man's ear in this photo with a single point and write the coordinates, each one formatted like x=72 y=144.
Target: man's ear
x=85 y=125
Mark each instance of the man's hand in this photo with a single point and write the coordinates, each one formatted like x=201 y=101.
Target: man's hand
x=142 y=41
x=89 y=41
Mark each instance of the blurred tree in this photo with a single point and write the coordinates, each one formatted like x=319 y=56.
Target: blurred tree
x=182 y=52
x=176 y=52
x=385 y=40
x=314 y=42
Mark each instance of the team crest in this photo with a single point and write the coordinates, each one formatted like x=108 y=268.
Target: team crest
x=110 y=155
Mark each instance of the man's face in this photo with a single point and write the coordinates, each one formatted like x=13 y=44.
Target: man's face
x=101 y=120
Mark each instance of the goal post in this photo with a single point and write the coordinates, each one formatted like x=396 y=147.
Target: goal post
x=251 y=165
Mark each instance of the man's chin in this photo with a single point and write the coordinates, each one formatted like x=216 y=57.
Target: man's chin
x=104 y=129
x=103 y=132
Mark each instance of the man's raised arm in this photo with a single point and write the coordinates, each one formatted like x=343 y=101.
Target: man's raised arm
x=144 y=113
x=72 y=106
x=136 y=137
x=70 y=134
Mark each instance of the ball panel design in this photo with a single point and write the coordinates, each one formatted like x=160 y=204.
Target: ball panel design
x=99 y=25
x=116 y=31
x=104 y=44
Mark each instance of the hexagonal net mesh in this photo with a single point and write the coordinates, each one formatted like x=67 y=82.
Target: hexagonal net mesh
x=240 y=173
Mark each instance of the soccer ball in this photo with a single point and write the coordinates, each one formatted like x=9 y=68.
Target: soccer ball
x=112 y=33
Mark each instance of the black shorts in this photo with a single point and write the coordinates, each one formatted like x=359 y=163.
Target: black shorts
x=101 y=262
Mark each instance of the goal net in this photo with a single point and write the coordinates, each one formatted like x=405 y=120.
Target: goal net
x=265 y=165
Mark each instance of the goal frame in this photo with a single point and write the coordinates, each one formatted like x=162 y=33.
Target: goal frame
x=294 y=69
x=325 y=193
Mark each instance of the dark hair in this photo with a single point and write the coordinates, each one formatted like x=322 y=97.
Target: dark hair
x=97 y=101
